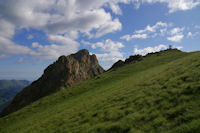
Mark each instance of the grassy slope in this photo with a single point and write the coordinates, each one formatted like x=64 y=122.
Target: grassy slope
x=158 y=94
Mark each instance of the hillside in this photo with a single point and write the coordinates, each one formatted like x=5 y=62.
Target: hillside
x=160 y=93
x=63 y=73
x=8 y=89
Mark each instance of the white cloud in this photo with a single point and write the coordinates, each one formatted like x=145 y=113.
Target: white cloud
x=192 y=35
x=134 y=36
x=9 y=48
x=7 y=29
x=64 y=20
x=109 y=27
x=30 y=37
x=97 y=20
x=145 y=33
x=189 y=34
x=35 y=45
x=73 y=34
x=115 y=8
x=62 y=40
x=108 y=45
x=175 y=38
x=110 y=57
x=179 y=47
x=149 y=49
x=107 y=59
x=173 y=5
x=182 y=5
x=85 y=42
x=56 y=18
x=139 y=36
x=111 y=51
x=152 y=28
x=176 y=31
x=53 y=51
x=176 y=34
x=158 y=48
x=163 y=31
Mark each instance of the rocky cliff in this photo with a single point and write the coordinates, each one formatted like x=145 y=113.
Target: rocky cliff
x=64 y=73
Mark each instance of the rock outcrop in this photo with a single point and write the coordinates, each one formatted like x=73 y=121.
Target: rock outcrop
x=64 y=73
x=131 y=59
x=136 y=58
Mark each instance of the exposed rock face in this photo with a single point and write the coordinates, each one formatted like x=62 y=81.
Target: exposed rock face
x=64 y=73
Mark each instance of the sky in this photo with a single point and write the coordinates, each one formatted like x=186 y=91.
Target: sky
x=33 y=34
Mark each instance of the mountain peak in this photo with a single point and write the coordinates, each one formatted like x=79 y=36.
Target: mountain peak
x=64 y=73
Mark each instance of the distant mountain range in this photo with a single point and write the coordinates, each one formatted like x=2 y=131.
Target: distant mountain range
x=8 y=89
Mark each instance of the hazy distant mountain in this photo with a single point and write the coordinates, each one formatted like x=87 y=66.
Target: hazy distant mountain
x=8 y=89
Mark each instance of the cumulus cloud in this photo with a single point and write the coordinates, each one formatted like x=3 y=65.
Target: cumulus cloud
x=108 y=45
x=176 y=31
x=86 y=21
x=109 y=58
x=109 y=27
x=30 y=37
x=111 y=51
x=64 y=21
x=8 y=47
x=53 y=51
x=115 y=8
x=134 y=36
x=7 y=29
x=176 y=34
x=176 y=38
x=149 y=49
x=59 y=19
x=192 y=35
x=144 y=33
x=152 y=28
x=173 y=5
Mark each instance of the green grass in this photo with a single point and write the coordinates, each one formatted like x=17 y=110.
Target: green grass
x=158 y=94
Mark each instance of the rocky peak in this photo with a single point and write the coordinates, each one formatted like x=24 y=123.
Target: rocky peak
x=64 y=73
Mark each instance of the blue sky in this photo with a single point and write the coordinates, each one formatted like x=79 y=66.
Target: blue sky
x=33 y=34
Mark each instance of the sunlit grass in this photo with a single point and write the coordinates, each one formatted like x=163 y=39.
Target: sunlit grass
x=161 y=93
